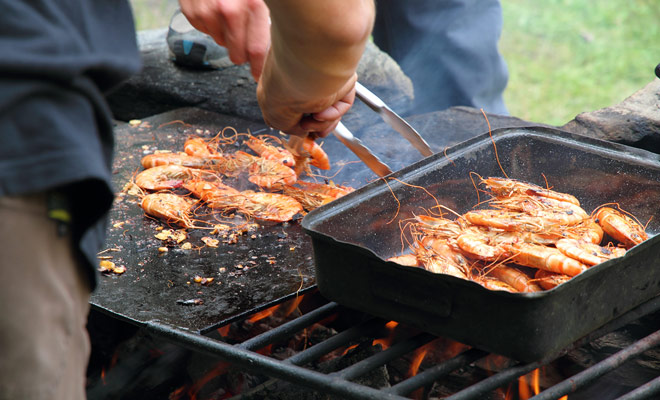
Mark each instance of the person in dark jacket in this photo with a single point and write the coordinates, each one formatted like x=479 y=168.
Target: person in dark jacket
x=59 y=59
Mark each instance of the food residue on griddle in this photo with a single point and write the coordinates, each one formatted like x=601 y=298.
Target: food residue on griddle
x=107 y=266
x=190 y=302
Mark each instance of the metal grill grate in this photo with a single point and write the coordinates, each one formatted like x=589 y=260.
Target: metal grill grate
x=244 y=356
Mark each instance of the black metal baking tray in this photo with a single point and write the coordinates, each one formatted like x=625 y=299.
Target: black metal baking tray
x=353 y=236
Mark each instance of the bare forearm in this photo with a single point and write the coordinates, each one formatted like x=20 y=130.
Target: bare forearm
x=316 y=45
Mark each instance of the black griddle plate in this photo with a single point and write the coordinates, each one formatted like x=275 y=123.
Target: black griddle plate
x=159 y=286
x=154 y=285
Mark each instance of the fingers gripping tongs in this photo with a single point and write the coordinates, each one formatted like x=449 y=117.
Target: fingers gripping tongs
x=392 y=119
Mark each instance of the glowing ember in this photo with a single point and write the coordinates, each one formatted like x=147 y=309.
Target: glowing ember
x=417 y=359
x=528 y=385
x=386 y=341
x=263 y=314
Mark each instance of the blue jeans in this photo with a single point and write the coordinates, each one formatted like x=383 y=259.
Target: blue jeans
x=448 y=48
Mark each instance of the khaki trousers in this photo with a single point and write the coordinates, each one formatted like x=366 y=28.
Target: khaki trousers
x=44 y=303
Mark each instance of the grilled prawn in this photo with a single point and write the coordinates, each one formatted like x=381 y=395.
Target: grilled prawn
x=261 y=146
x=259 y=205
x=312 y=195
x=546 y=258
x=588 y=253
x=199 y=147
x=549 y=280
x=183 y=159
x=213 y=194
x=270 y=174
x=169 y=207
x=312 y=154
x=620 y=226
x=270 y=206
x=164 y=177
x=439 y=264
x=501 y=187
x=409 y=260
x=514 y=277
x=547 y=208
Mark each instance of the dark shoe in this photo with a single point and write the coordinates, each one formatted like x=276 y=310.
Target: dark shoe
x=192 y=48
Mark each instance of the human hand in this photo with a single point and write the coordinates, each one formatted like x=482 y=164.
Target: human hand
x=302 y=114
x=320 y=124
x=241 y=26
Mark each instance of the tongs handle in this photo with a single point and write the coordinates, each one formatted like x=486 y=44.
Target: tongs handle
x=367 y=156
x=368 y=97
x=393 y=119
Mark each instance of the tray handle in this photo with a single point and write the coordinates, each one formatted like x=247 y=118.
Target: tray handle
x=410 y=289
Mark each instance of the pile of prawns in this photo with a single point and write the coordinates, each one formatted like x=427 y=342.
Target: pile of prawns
x=203 y=168
x=526 y=225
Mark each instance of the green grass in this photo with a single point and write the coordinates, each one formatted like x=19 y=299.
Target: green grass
x=152 y=14
x=571 y=56
x=564 y=56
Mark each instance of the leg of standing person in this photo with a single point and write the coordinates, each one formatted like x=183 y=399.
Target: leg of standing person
x=448 y=49
x=44 y=298
x=55 y=137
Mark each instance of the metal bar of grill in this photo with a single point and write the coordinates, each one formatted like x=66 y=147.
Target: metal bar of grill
x=257 y=363
x=511 y=374
x=651 y=388
x=320 y=349
x=429 y=375
x=339 y=383
x=287 y=329
x=340 y=339
x=609 y=364
x=362 y=367
x=491 y=383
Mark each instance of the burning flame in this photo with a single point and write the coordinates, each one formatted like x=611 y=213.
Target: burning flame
x=220 y=369
x=349 y=348
x=285 y=309
x=263 y=314
x=113 y=362
x=177 y=393
x=529 y=386
x=293 y=305
x=386 y=341
x=290 y=307
x=418 y=357
x=223 y=330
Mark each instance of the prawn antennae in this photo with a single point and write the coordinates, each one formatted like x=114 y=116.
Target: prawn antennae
x=417 y=187
x=547 y=185
x=178 y=121
x=476 y=188
x=398 y=203
x=490 y=133
x=444 y=152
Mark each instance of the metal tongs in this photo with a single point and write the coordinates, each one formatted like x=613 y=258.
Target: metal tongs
x=356 y=146
x=393 y=119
